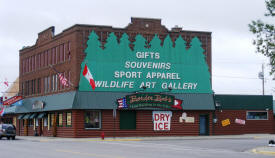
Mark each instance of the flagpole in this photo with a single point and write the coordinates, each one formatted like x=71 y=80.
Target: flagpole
x=59 y=73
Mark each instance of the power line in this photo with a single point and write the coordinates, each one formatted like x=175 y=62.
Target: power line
x=235 y=77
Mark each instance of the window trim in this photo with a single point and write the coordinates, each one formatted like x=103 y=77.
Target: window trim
x=257 y=111
x=100 y=120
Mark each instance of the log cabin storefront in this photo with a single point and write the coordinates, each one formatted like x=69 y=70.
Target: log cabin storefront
x=141 y=80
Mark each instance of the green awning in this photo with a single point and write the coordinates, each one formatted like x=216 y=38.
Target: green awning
x=60 y=101
x=20 y=116
x=27 y=116
x=33 y=116
x=41 y=115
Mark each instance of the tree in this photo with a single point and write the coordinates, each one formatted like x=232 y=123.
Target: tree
x=265 y=35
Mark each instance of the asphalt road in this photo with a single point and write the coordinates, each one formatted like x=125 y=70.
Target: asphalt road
x=204 y=148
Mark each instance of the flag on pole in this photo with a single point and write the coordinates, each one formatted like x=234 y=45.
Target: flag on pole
x=177 y=104
x=63 y=79
x=2 y=111
x=87 y=74
x=122 y=103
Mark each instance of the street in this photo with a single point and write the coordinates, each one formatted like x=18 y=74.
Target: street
x=132 y=148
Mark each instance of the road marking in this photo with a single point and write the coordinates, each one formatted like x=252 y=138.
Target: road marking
x=263 y=152
x=88 y=154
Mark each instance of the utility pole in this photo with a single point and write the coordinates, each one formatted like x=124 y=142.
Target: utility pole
x=261 y=76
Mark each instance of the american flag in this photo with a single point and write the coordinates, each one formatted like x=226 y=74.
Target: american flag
x=63 y=79
x=122 y=103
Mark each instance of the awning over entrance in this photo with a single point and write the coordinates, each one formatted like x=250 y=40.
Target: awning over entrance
x=61 y=101
x=20 y=117
x=33 y=116
x=107 y=100
x=27 y=116
x=41 y=115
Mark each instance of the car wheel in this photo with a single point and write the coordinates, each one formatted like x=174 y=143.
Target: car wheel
x=8 y=138
x=13 y=138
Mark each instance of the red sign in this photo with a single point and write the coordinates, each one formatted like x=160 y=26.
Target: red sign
x=12 y=100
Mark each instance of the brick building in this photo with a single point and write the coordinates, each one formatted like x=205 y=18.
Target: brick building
x=149 y=81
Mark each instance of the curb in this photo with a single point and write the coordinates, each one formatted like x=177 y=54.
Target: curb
x=264 y=152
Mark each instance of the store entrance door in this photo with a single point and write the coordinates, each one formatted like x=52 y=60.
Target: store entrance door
x=204 y=124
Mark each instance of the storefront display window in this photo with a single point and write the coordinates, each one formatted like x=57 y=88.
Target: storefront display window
x=60 y=119
x=256 y=115
x=92 y=120
x=69 y=119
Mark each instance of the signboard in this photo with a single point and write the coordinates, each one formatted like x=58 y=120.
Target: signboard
x=155 y=100
x=12 y=100
x=225 y=122
x=240 y=121
x=162 y=120
x=190 y=120
x=38 y=105
x=159 y=68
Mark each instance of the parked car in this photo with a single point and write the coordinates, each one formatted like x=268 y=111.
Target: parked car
x=8 y=131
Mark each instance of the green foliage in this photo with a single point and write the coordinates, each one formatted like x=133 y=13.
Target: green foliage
x=265 y=35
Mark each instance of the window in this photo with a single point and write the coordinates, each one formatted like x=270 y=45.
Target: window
x=29 y=65
x=48 y=84
x=256 y=115
x=42 y=59
x=45 y=85
x=69 y=119
x=56 y=82
x=49 y=57
x=53 y=83
x=69 y=50
x=56 y=55
x=92 y=120
x=60 y=119
x=53 y=56
x=23 y=66
x=64 y=51
x=39 y=61
x=61 y=52
x=45 y=121
x=38 y=86
x=127 y=119
x=33 y=63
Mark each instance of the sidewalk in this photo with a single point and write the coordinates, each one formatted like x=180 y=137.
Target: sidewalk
x=245 y=136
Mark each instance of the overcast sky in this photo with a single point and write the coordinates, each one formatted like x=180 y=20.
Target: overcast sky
x=235 y=63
